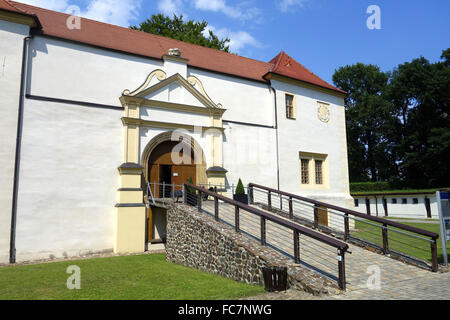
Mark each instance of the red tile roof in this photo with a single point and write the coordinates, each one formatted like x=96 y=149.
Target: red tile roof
x=149 y=45
x=5 y=5
x=286 y=66
x=10 y=7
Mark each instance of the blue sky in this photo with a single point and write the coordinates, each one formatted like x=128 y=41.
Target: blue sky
x=321 y=34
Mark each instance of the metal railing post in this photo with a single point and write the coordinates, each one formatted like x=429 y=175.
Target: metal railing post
x=164 y=190
x=199 y=201
x=291 y=209
x=434 y=257
x=250 y=193
x=346 y=228
x=216 y=208
x=316 y=216
x=296 y=247
x=269 y=200
x=385 y=239
x=263 y=231
x=341 y=267
x=236 y=219
x=173 y=191
x=184 y=194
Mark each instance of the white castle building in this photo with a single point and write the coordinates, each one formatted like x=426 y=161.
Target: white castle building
x=88 y=114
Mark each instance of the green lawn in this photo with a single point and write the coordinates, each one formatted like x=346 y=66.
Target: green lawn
x=409 y=245
x=143 y=277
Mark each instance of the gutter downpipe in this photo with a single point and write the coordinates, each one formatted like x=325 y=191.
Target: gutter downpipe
x=277 y=135
x=12 y=243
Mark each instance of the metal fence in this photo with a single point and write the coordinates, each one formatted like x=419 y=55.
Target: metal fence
x=407 y=243
x=224 y=189
x=163 y=191
x=317 y=251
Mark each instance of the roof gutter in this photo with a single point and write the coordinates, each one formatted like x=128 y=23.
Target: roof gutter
x=12 y=243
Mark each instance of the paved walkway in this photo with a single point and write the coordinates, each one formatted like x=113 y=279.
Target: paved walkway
x=398 y=280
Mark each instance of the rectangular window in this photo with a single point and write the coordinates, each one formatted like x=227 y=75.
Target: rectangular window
x=305 y=171
x=290 y=106
x=356 y=202
x=416 y=201
x=319 y=171
x=404 y=201
x=394 y=201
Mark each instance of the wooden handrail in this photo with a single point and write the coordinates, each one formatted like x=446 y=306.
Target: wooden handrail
x=271 y=217
x=394 y=224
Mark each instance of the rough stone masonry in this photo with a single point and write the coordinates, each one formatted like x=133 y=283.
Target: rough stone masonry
x=196 y=240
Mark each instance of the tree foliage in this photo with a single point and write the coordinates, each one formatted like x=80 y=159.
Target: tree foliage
x=190 y=31
x=398 y=122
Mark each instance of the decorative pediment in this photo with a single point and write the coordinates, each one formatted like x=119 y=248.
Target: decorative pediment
x=173 y=84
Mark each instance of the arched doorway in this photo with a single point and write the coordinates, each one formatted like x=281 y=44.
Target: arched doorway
x=162 y=165
x=162 y=171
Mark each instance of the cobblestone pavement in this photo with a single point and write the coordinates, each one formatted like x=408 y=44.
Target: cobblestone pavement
x=398 y=280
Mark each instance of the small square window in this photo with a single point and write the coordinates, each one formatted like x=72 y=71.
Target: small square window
x=404 y=201
x=394 y=201
x=415 y=201
x=356 y=202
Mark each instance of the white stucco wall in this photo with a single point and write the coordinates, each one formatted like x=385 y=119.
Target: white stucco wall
x=400 y=210
x=11 y=47
x=308 y=134
x=78 y=72
x=245 y=101
x=250 y=154
x=68 y=180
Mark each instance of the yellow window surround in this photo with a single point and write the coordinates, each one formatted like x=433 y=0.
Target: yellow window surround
x=313 y=164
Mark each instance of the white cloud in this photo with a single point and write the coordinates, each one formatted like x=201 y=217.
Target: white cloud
x=57 y=5
x=118 y=12
x=238 y=12
x=286 y=5
x=238 y=39
x=171 y=7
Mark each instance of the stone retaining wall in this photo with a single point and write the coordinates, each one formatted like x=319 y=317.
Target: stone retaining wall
x=196 y=240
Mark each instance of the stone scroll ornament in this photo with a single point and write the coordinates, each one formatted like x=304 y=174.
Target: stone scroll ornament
x=159 y=74
x=193 y=81
x=324 y=112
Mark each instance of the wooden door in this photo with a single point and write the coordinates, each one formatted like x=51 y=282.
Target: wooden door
x=182 y=173
x=323 y=216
